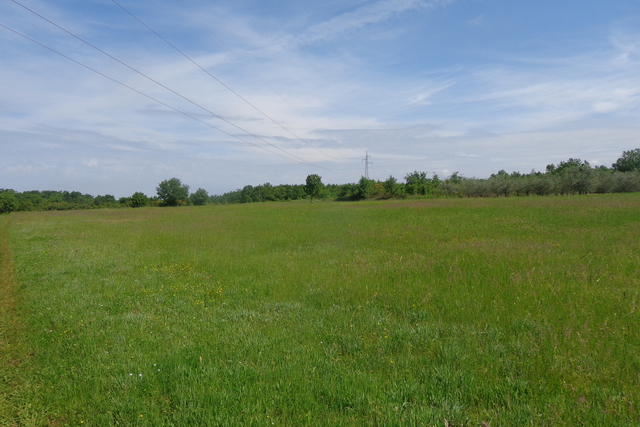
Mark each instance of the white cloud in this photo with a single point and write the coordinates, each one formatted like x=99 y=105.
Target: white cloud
x=478 y=21
x=22 y=171
x=461 y=154
x=67 y=126
x=366 y=15
x=605 y=107
x=553 y=94
x=628 y=45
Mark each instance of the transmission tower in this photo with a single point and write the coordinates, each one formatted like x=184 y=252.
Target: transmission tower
x=366 y=164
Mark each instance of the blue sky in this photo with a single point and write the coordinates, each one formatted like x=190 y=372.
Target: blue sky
x=473 y=86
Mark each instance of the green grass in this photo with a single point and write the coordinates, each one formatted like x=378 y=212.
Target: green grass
x=507 y=312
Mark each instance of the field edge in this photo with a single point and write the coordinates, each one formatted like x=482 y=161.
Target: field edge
x=14 y=353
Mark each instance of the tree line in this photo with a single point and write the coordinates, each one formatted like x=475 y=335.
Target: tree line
x=573 y=176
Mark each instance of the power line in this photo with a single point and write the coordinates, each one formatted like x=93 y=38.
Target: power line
x=139 y=92
x=375 y=175
x=214 y=77
x=161 y=85
x=257 y=75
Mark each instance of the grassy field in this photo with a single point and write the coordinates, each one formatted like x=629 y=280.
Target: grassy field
x=465 y=312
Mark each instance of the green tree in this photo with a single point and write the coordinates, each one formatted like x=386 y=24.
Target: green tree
x=107 y=199
x=501 y=183
x=630 y=161
x=391 y=186
x=473 y=187
x=449 y=189
x=200 y=197
x=248 y=194
x=139 y=200
x=8 y=202
x=416 y=182
x=573 y=176
x=456 y=178
x=173 y=193
x=366 y=187
x=125 y=201
x=267 y=192
x=568 y=164
x=314 y=186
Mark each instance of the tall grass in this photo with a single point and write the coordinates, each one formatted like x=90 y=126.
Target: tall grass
x=498 y=311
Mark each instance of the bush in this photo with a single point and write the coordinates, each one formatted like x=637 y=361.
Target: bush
x=8 y=202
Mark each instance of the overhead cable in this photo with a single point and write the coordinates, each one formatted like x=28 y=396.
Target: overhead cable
x=139 y=92
x=212 y=76
x=166 y=88
x=257 y=75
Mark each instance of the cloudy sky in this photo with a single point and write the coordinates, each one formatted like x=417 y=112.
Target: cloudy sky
x=108 y=97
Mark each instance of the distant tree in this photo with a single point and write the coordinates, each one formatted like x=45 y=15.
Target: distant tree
x=247 y=194
x=139 y=200
x=604 y=179
x=29 y=200
x=52 y=196
x=346 y=192
x=449 y=189
x=107 y=199
x=314 y=186
x=173 y=193
x=456 y=178
x=265 y=192
x=475 y=187
x=630 y=161
x=391 y=186
x=200 y=197
x=416 y=182
x=576 y=180
x=8 y=202
x=626 y=182
x=541 y=185
x=364 y=188
x=568 y=164
x=522 y=185
x=573 y=176
x=501 y=184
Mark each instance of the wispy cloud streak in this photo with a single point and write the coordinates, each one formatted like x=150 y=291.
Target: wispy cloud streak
x=363 y=16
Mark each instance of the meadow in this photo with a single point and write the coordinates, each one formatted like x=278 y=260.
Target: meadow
x=449 y=312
